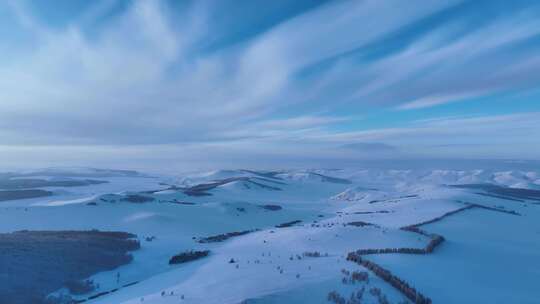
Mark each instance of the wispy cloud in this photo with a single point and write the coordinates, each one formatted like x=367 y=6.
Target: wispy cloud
x=450 y=62
x=429 y=101
x=141 y=78
x=145 y=78
x=498 y=134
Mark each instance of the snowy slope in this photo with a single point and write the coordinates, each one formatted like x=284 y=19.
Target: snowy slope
x=313 y=208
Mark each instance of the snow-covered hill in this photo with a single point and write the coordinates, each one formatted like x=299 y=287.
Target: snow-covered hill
x=280 y=236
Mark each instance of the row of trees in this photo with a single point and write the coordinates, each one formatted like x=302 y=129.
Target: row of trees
x=224 y=236
x=288 y=224
x=468 y=206
x=410 y=292
x=433 y=220
x=188 y=256
x=361 y=224
x=494 y=209
x=435 y=241
x=415 y=229
x=391 y=250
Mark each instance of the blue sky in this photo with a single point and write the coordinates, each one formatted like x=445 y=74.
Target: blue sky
x=196 y=84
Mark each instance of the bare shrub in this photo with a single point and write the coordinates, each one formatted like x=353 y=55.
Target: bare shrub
x=335 y=297
x=359 y=276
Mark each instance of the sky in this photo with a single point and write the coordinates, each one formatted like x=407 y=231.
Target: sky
x=178 y=85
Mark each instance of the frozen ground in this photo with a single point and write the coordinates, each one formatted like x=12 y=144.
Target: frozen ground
x=170 y=214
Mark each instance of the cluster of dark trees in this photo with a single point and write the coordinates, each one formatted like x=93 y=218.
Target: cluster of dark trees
x=288 y=224
x=361 y=224
x=336 y=298
x=313 y=254
x=372 y=212
x=224 y=236
x=23 y=194
x=411 y=293
x=359 y=276
x=409 y=196
x=188 y=256
x=150 y=238
x=272 y=207
x=325 y=225
x=355 y=276
x=355 y=297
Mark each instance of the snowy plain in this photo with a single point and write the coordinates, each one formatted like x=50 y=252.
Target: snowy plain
x=488 y=256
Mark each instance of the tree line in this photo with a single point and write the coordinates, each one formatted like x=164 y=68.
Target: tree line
x=410 y=292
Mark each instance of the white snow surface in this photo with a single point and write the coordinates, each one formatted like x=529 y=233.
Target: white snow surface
x=324 y=204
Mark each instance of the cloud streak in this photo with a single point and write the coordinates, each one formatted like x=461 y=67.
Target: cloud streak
x=145 y=78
